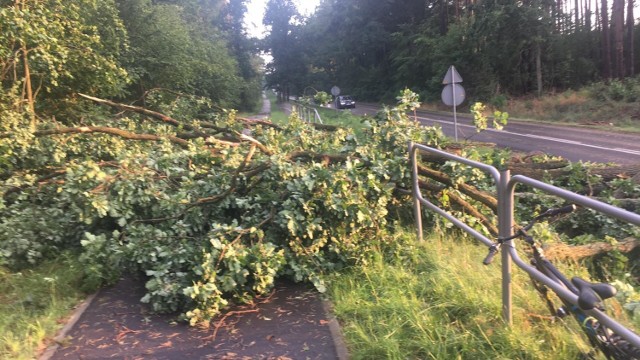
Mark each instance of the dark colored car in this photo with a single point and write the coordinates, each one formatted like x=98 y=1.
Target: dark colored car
x=345 y=102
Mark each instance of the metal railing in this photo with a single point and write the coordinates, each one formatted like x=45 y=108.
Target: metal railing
x=307 y=113
x=505 y=189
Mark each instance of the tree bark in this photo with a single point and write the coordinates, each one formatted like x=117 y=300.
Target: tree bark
x=617 y=20
x=630 y=45
x=560 y=251
x=463 y=204
x=480 y=196
x=606 y=45
x=606 y=174
x=576 y=8
x=538 y=68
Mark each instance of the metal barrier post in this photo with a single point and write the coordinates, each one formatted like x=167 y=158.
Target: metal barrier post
x=417 y=211
x=505 y=224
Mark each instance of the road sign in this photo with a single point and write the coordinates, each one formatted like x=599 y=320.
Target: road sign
x=453 y=94
x=452 y=76
x=335 y=91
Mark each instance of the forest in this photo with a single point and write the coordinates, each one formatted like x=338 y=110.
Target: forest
x=373 y=49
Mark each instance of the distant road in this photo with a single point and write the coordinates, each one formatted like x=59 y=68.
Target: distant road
x=574 y=143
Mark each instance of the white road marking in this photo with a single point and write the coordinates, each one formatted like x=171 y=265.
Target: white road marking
x=565 y=141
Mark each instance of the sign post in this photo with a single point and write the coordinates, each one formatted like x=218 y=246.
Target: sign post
x=453 y=94
x=335 y=91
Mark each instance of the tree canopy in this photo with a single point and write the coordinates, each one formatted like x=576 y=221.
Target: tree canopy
x=373 y=49
x=52 y=49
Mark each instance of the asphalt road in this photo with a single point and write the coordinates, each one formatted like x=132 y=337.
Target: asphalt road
x=574 y=143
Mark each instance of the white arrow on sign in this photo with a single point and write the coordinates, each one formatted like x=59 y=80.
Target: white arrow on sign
x=452 y=76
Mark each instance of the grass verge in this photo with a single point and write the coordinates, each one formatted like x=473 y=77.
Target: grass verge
x=278 y=116
x=34 y=304
x=435 y=300
x=343 y=118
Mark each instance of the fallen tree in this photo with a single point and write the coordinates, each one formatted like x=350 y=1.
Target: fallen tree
x=210 y=210
x=213 y=210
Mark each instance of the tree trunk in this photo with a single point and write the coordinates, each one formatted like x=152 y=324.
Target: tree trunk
x=617 y=23
x=28 y=88
x=563 y=251
x=587 y=16
x=444 y=17
x=630 y=48
x=576 y=8
x=538 y=68
x=606 y=46
x=598 y=27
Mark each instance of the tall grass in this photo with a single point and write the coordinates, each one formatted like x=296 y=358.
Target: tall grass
x=34 y=303
x=343 y=118
x=435 y=300
x=612 y=105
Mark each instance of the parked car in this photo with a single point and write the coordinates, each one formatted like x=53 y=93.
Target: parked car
x=345 y=102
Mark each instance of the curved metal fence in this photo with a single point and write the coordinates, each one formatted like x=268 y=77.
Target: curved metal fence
x=505 y=188
x=307 y=113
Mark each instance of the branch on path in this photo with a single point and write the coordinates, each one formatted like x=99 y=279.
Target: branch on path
x=632 y=204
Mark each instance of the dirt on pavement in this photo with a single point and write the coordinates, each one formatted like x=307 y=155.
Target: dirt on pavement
x=291 y=323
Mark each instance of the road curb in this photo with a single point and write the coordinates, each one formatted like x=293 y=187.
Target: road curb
x=62 y=334
x=336 y=332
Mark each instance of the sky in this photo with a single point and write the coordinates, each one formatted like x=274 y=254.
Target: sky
x=255 y=12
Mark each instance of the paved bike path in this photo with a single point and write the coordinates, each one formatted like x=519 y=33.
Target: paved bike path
x=292 y=322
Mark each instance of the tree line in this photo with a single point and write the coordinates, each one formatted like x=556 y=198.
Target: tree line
x=372 y=48
x=52 y=49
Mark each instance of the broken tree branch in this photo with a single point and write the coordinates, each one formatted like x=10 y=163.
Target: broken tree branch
x=112 y=131
x=480 y=196
x=465 y=205
x=140 y=110
x=563 y=251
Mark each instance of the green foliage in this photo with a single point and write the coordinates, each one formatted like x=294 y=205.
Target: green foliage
x=53 y=49
x=70 y=46
x=480 y=119
x=322 y=98
x=626 y=90
x=206 y=224
x=178 y=47
x=408 y=99
x=630 y=297
x=501 y=48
